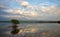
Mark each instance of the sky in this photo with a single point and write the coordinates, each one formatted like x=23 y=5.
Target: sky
x=48 y=10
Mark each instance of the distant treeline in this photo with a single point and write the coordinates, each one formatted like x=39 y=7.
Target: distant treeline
x=35 y=21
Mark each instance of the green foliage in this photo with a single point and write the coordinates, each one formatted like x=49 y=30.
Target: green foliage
x=14 y=21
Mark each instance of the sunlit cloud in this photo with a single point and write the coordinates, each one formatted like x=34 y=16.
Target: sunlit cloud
x=45 y=13
x=24 y=3
x=25 y=9
x=19 y=11
x=20 y=14
x=46 y=7
x=14 y=11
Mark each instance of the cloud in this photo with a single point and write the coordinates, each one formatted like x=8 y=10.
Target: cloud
x=3 y=6
x=13 y=11
x=42 y=11
x=20 y=11
x=11 y=16
x=47 y=9
x=20 y=14
x=50 y=9
x=24 y=3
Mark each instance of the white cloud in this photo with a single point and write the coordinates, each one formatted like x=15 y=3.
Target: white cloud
x=46 y=9
x=13 y=11
x=22 y=12
x=45 y=13
x=11 y=16
x=50 y=10
x=24 y=3
x=42 y=12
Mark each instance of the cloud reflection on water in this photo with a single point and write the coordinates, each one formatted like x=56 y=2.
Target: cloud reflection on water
x=34 y=30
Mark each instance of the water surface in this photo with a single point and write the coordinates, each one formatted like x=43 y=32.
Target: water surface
x=43 y=30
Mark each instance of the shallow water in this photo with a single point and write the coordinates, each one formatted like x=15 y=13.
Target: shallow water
x=43 y=30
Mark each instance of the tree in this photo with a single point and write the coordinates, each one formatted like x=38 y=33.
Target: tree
x=15 y=30
x=14 y=21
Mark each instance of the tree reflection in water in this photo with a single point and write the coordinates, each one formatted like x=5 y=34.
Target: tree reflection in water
x=15 y=29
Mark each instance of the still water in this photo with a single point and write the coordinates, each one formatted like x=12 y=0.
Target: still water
x=41 y=30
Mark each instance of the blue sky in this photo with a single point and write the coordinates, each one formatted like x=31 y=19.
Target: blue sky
x=30 y=9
